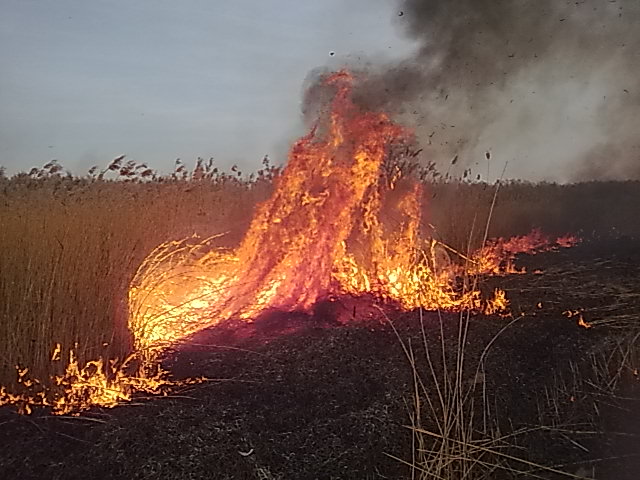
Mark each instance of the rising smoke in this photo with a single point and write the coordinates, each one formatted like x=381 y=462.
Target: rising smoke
x=549 y=86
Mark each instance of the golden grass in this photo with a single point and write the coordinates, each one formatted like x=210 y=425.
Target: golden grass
x=70 y=247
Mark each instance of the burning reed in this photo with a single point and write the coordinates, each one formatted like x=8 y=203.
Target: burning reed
x=70 y=247
x=342 y=219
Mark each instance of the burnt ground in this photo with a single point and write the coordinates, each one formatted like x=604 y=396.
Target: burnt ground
x=298 y=397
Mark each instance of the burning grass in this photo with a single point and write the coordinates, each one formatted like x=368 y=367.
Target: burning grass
x=70 y=249
x=346 y=217
x=72 y=246
x=325 y=231
x=335 y=401
x=83 y=387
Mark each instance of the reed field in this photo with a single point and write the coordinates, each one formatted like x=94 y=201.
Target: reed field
x=70 y=246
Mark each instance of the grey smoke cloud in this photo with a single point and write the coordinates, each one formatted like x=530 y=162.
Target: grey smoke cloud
x=549 y=86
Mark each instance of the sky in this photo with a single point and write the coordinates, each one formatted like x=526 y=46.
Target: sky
x=85 y=81
x=549 y=88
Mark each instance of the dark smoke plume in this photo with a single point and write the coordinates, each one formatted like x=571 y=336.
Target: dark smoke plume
x=550 y=86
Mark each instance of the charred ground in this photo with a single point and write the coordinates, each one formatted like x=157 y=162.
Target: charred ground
x=297 y=397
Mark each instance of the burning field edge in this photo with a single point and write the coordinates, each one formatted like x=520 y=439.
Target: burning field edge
x=302 y=397
x=339 y=336
x=343 y=220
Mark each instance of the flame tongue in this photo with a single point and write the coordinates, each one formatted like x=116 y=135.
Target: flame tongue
x=339 y=221
x=297 y=236
x=326 y=229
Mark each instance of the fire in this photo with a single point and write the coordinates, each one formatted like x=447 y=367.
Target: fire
x=341 y=221
x=578 y=313
x=97 y=383
x=497 y=257
x=325 y=231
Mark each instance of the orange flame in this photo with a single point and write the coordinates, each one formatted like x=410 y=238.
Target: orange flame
x=297 y=236
x=497 y=257
x=325 y=230
x=337 y=223
x=80 y=387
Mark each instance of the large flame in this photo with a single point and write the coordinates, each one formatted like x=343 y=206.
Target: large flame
x=342 y=221
x=297 y=237
x=337 y=222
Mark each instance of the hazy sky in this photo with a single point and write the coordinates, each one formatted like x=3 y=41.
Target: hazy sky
x=84 y=81
x=548 y=87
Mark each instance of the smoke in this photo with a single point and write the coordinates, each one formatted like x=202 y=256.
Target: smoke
x=549 y=86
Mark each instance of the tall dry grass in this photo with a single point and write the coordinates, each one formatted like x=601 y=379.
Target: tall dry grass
x=457 y=432
x=69 y=248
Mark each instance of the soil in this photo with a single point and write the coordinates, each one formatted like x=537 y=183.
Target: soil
x=329 y=395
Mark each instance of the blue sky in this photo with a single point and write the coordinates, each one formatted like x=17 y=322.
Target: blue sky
x=84 y=81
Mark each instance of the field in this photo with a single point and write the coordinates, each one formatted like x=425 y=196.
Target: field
x=455 y=395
